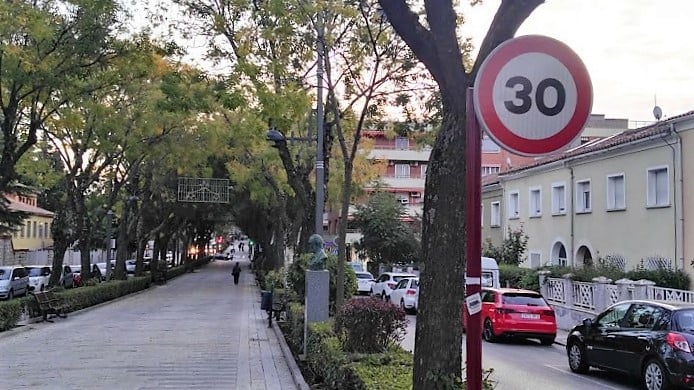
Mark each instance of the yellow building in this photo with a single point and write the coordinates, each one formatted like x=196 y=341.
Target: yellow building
x=35 y=233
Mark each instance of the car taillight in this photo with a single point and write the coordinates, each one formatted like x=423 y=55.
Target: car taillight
x=501 y=310
x=390 y=285
x=548 y=313
x=411 y=292
x=677 y=341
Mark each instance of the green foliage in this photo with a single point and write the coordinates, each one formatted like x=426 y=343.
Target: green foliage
x=519 y=277
x=10 y=312
x=385 y=237
x=512 y=249
x=370 y=325
x=274 y=279
x=294 y=329
x=296 y=277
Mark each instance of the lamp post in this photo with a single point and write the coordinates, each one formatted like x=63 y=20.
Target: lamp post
x=320 y=131
x=109 y=222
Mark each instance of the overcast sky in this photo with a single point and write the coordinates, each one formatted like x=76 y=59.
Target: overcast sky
x=635 y=50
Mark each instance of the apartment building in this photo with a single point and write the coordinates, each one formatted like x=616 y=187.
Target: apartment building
x=621 y=199
x=35 y=233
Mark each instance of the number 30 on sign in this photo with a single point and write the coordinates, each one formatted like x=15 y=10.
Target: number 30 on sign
x=533 y=95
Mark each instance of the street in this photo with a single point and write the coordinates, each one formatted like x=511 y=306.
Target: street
x=525 y=364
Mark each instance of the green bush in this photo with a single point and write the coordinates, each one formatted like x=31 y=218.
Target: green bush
x=274 y=280
x=294 y=326
x=662 y=277
x=296 y=277
x=370 y=325
x=10 y=313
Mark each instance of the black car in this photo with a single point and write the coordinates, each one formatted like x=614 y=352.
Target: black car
x=648 y=339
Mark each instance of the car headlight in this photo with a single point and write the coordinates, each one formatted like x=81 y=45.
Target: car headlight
x=4 y=289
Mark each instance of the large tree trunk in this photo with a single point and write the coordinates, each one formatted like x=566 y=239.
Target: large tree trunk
x=59 y=249
x=438 y=339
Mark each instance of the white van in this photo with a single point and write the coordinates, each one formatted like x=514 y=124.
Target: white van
x=490 y=273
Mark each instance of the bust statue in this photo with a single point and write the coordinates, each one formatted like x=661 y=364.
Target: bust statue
x=315 y=245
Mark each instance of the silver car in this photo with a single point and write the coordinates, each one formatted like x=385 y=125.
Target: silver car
x=14 y=281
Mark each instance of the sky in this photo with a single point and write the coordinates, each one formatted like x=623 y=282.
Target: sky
x=637 y=51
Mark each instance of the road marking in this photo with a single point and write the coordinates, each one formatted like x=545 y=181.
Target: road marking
x=562 y=369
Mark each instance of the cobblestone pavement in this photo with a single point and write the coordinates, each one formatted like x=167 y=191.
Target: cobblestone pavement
x=199 y=331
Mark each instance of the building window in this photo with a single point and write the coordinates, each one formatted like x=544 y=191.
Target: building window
x=28 y=226
x=490 y=170
x=535 y=202
x=583 y=201
x=35 y=233
x=513 y=205
x=423 y=172
x=40 y=230
x=495 y=214
x=402 y=143
x=658 y=194
x=558 y=199
x=402 y=170
x=489 y=146
x=535 y=259
x=616 y=199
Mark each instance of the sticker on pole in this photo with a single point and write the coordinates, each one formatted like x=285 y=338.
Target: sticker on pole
x=533 y=95
x=473 y=303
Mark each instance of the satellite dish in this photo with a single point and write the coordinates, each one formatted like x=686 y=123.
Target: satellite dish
x=657 y=113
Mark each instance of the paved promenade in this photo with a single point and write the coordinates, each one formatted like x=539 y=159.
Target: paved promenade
x=199 y=331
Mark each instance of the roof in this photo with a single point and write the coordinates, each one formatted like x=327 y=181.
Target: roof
x=34 y=210
x=600 y=144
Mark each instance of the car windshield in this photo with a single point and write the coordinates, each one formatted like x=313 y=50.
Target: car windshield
x=364 y=276
x=34 y=271
x=4 y=274
x=684 y=320
x=527 y=299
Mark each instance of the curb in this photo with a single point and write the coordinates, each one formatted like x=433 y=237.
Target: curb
x=289 y=357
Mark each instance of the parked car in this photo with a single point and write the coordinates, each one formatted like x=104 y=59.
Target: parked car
x=130 y=266
x=510 y=312
x=386 y=282
x=14 y=281
x=39 y=276
x=647 y=339
x=406 y=295
x=364 y=282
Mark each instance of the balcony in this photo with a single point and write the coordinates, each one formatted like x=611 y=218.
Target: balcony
x=403 y=183
x=400 y=155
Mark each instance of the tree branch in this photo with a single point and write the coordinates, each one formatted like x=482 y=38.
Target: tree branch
x=510 y=15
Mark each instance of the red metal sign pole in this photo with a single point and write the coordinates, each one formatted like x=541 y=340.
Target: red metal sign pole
x=473 y=247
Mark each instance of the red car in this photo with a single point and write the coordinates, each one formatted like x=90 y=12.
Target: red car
x=510 y=312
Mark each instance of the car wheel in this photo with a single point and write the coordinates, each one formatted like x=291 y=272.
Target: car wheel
x=371 y=292
x=577 y=357
x=402 y=305
x=10 y=294
x=654 y=377
x=42 y=288
x=547 y=340
x=384 y=296
x=488 y=332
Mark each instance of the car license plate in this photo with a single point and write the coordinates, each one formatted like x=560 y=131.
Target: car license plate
x=529 y=316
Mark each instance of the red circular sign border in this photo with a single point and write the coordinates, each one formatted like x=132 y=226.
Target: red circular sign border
x=484 y=103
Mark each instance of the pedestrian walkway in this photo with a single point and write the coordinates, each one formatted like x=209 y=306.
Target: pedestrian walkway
x=199 y=331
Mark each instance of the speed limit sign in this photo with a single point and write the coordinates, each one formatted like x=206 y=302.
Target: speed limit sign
x=533 y=95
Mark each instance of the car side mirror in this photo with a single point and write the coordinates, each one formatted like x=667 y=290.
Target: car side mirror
x=587 y=322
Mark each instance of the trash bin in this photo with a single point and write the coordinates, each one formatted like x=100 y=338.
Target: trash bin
x=266 y=300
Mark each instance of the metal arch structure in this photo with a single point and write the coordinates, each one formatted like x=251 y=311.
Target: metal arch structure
x=203 y=190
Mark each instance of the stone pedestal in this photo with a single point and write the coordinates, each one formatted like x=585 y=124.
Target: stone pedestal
x=317 y=299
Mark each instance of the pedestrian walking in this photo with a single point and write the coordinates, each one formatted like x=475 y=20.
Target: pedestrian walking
x=236 y=272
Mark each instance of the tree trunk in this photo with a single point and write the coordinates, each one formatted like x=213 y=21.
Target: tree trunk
x=442 y=276
x=342 y=236
x=59 y=249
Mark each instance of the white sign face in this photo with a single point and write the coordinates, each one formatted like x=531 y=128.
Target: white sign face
x=473 y=303
x=533 y=95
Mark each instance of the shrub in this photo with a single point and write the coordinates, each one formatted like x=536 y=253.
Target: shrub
x=274 y=279
x=10 y=312
x=369 y=325
x=518 y=277
x=295 y=326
